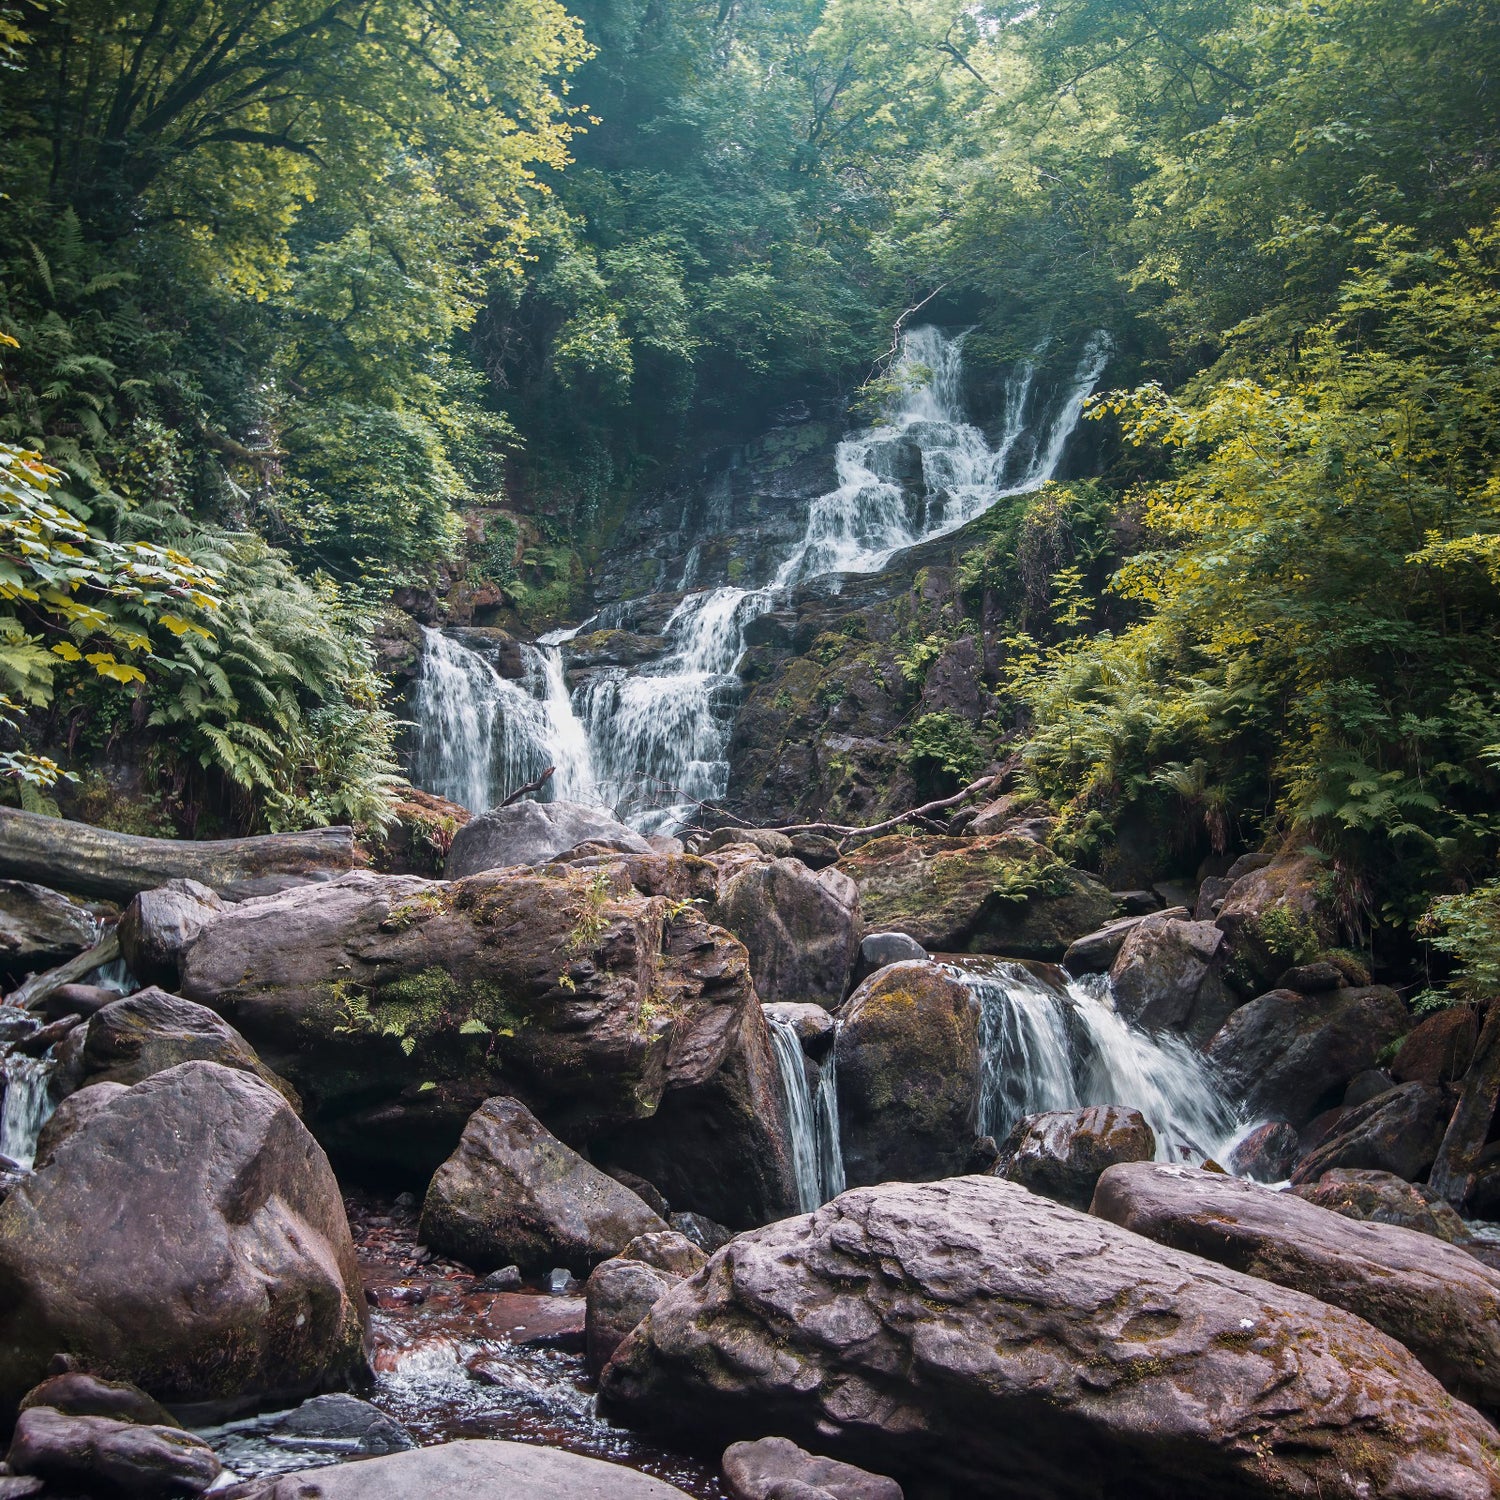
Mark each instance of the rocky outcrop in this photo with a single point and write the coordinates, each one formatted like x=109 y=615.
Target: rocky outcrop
x=1061 y=1153
x=976 y=895
x=100 y=1456
x=40 y=928
x=159 y=924
x=1168 y=976
x=802 y=930
x=531 y=833
x=1398 y=1131
x=513 y=1194
x=968 y=1333
x=1288 y=1055
x=471 y=1469
x=1275 y=916
x=813 y=1025
x=1384 y=1198
x=188 y=1235
x=908 y=1069
x=777 y=1469
x=1440 y=1303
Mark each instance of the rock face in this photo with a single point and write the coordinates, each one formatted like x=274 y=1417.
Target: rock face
x=1383 y=1198
x=1168 y=976
x=564 y=988
x=1439 y=1302
x=531 y=833
x=993 y=894
x=1060 y=1154
x=188 y=1235
x=40 y=928
x=158 y=925
x=776 y=1469
x=512 y=1194
x=101 y=1456
x=151 y=1031
x=1439 y=1049
x=968 y=1332
x=1289 y=1055
x=1275 y=916
x=908 y=1069
x=472 y=1469
x=1398 y=1131
x=619 y=1294
x=801 y=930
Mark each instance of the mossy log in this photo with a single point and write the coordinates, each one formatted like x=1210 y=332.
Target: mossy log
x=93 y=861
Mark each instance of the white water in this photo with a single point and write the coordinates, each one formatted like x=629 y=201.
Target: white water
x=1046 y=1047
x=812 y=1119
x=27 y=1105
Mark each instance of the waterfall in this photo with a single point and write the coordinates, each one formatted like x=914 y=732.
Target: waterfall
x=812 y=1119
x=26 y=1105
x=1062 y=1046
x=480 y=735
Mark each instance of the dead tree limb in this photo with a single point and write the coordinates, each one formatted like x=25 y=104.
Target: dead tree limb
x=39 y=986
x=848 y=830
x=530 y=787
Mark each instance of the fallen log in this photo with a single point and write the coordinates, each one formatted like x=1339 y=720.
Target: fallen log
x=39 y=986
x=91 y=861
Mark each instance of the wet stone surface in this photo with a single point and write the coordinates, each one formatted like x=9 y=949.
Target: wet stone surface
x=452 y=1361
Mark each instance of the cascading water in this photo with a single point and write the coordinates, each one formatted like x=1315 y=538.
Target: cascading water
x=1061 y=1046
x=812 y=1119
x=26 y=1107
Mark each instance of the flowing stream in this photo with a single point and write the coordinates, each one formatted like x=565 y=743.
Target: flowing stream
x=812 y=1118
x=653 y=742
x=26 y=1106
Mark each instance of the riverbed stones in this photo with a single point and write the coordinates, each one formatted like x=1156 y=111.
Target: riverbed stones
x=1061 y=1153
x=1288 y=1055
x=83 y=1395
x=1168 y=976
x=995 y=894
x=908 y=1070
x=777 y=1469
x=100 y=1456
x=969 y=1333
x=512 y=1193
x=1398 y=1131
x=186 y=1234
x=1438 y=1301
x=531 y=833
x=158 y=925
x=470 y=1469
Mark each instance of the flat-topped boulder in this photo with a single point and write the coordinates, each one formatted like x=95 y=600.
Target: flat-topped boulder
x=1441 y=1303
x=969 y=1334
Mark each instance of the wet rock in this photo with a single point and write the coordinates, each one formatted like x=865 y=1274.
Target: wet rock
x=341 y=1420
x=801 y=929
x=1368 y=1085
x=1211 y=896
x=956 y=1331
x=1168 y=976
x=46 y=1037
x=813 y=1025
x=531 y=833
x=15 y=1487
x=877 y=949
x=471 y=1469
x=561 y=1282
x=1440 y=1303
x=159 y=924
x=668 y=1251
x=1288 y=1055
x=104 y=1457
x=1439 y=1049
x=908 y=1069
x=75 y=1000
x=770 y=843
x=1399 y=1131
x=1095 y=952
x=40 y=928
x=777 y=1469
x=506 y=1279
x=151 y=1031
x=1383 y=1198
x=1267 y=1154
x=188 y=1235
x=1275 y=916
x=1060 y=1154
x=1140 y=903
x=513 y=1193
x=701 y=1231
x=619 y=1294
x=1312 y=979
x=991 y=894
x=80 y=1394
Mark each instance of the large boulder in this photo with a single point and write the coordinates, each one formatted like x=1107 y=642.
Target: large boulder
x=40 y=928
x=563 y=987
x=150 y=1031
x=1168 y=976
x=1095 y=952
x=513 y=1194
x=1439 y=1302
x=908 y=1071
x=1383 y=1198
x=185 y=1234
x=1439 y=1049
x=1288 y=1056
x=531 y=833
x=1267 y=1154
x=1275 y=916
x=471 y=1469
x=619 y=1293
x=1398 y=1131
x=996 y=894
x=968 y=1334
x=1061 y=1153
x=777 y=1469
x=159 y=924
x=104 y=1457
x=802 y=930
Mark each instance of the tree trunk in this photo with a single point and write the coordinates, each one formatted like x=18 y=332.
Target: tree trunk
x=1468 y=1130
x=93 y=861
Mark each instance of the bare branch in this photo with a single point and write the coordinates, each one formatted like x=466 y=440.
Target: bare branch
x=530 y=787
